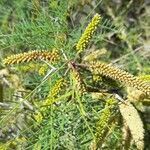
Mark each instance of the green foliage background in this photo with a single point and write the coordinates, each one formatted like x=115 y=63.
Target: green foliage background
x=27 y=25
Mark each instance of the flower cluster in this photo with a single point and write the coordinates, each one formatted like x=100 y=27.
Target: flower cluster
x=51 y=98
x=134 y=122
x=59 y=85
x=89 y=31
x=95 y=55
x=104 y=120
x=79 y=84
x=57 y=88
x=97 y=67
x=31 y=56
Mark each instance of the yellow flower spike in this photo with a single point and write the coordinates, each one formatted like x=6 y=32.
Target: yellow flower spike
x=97 y=67
x=78 y=81
x=134 y=122
x=59 y=85
x=53 y=94
x=104 y=122
x=95 y=55
x=126 y=137
x=31 y=56
x=89 y=31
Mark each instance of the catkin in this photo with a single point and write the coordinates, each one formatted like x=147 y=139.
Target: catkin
x=60 y=84
x=95 y=55
x=133 y=121
x=126 y=137
x=56 y=89
x=103 y=123
x=89 y=31
x=78 y=81
x=31 y=56
x=97 y=67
